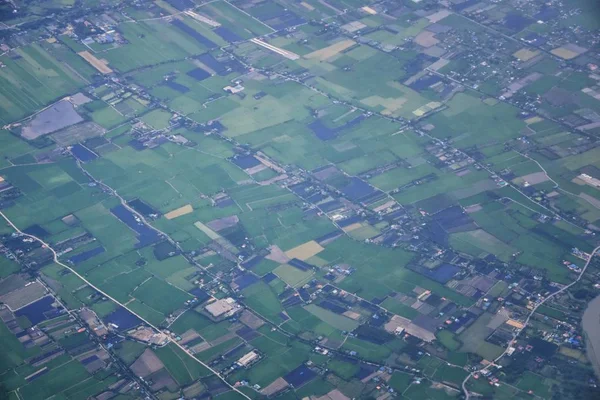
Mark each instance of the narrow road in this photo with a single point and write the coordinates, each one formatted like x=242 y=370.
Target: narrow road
x=556 y=185
x=57 y=261
x=516 y=334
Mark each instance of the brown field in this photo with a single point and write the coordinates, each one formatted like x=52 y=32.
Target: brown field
x=335 y=394
x=563 y=53
x=277 y=386
x=533 y=179
x=251 y=320
x=533 y=120
x=438 y=16
x=307 y=6
x=352 y=315
x=277 y=255
x=100 y=65
x=525 y=54
x=179 y=212
x=352 y=227
x=391 y=104
x=23 y=296
x=146 y=364
x=305 y=251
x=265 y=161
x=330 y=51
x=426 y=39
x=256 y=169
x=223 y=223
x=573 y=353
x=369 y=10
x=222 y=339
x=188 y=336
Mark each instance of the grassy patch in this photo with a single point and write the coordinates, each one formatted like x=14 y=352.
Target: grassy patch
x=338 y=321
x=448 y=339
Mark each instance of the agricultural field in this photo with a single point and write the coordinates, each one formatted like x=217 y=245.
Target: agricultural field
x=325 y=199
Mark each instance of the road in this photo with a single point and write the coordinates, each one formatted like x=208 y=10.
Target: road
x=403 y=124
x=556 y=185
x=516 y=334
x=124 y=203
x=208 y=272
x=57 y=261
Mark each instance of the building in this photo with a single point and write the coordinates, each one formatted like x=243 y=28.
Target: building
x=248 y=359
x=221 y=307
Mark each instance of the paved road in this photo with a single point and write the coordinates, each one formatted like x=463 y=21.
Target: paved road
x=57 y=261
x=516 y=334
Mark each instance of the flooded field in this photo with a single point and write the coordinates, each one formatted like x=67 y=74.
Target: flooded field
x=58 y=116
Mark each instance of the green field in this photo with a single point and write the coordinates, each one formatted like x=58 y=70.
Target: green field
x=448 y=339
x=480 y=241
x=400 y=141
x=261 y=298
x=158 y=119
x=338 y=321
x=292 y=275
x=170 y=299
x=55 y=381
x=180 y=365
x=535 y=383
x=31 y=81
x=129 y=351
x=473 y=339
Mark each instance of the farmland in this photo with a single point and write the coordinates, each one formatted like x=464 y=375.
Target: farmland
x=332 y=199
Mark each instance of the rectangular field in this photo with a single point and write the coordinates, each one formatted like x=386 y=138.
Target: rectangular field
x=100 y=65
x=336 y=320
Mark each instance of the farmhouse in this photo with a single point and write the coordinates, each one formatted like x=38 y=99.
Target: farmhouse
x=222 y=307
x=248 y=359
